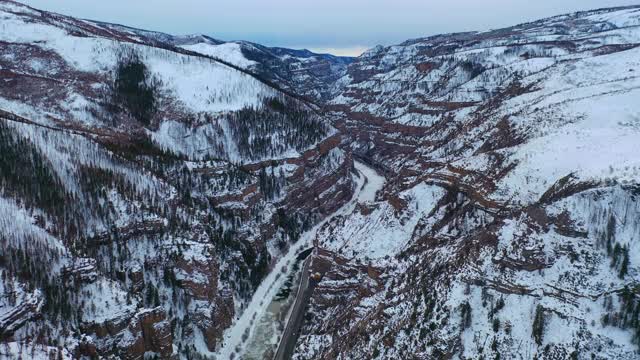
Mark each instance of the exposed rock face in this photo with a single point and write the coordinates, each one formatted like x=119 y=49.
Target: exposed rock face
x=344 y=284
x=148 y=330
x=213 y=309
x=27 y=309
x=81 y=270
x=152 y=333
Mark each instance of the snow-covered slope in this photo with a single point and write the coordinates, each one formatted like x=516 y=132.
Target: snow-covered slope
x=65 y=70
x=78 y=46
x=229 y=52
x=507 y=226
x=301 y=71
x=143 y=188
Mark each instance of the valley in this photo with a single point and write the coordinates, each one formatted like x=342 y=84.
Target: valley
x=470 y=195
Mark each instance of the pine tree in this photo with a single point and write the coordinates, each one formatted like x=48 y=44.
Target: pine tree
x=624 y=267
x=615 y=255
x=496 y=324
x=135 y=88
x=538 y=325
x=466 y=314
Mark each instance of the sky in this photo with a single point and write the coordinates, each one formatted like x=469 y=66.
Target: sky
x=341 y=27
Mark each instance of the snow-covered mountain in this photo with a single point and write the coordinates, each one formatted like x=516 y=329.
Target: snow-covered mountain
x=143 y=188
x=301 y=71
x=305 y=73
x=508 y=223
x=150 y=182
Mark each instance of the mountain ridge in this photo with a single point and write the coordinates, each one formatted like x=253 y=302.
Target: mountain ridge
x=507 y=154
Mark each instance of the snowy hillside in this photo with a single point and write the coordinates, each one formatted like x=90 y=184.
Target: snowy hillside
x=60 y=47
x=508 y=222
x=229 y=52
x=69 y=68
x=142 y=189
x=303 y=72
x=468 y=196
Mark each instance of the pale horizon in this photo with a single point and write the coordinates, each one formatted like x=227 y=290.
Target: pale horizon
x=344 y=51
x=335 y=27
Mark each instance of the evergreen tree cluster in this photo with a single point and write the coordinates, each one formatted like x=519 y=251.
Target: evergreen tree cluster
x=473 y=68
x=537 y=330
x=135 y=90
x=465 y=314
x=276 y=127
x=96 y=182
x=258 y=264
x=292 y=225
x=271 y=183
x=140 y=146
x=228 y=178
x=152 y=298
x=620 y=259
x=628 y=315
x=26 y=175
x=619 y=254
x=30 y=262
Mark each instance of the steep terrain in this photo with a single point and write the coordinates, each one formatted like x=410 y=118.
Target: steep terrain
x=308 y=74
x=155 y=188
x=305 y=73
x=508 y=225
x=145 y=190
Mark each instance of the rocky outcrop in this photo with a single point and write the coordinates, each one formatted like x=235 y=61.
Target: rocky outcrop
x=81 y=270
x=148 y=331
x=25 y=311
x=213 y=310
x=343 y=285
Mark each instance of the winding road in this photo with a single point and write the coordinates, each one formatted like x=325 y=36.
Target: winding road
x=370 y=183
x=235 y=338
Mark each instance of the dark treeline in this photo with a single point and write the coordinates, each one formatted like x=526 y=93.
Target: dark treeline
x=134 y=90
x=25 y=174
x=281 y=124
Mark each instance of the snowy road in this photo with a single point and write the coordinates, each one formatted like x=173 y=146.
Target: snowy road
x=294 y=321
x=368 y=182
